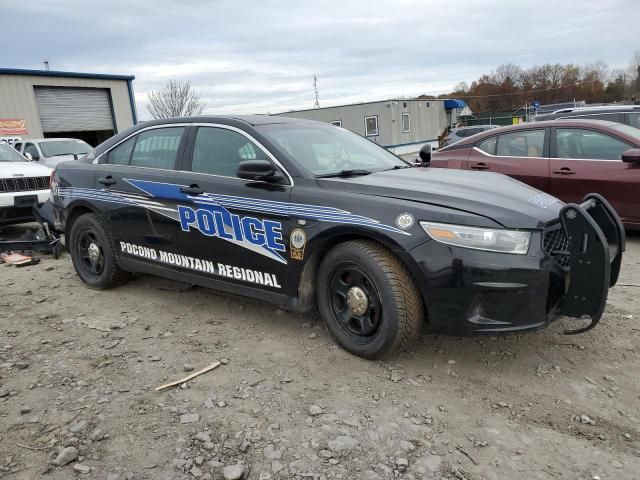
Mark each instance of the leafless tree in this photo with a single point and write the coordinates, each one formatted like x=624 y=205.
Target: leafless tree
x=461 y=87
x=176 y=99
x=508 y=75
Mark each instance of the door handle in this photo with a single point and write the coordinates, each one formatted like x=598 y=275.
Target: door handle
x=108 y=180
x=193 y=189
x=564 y=171
x=480 y=166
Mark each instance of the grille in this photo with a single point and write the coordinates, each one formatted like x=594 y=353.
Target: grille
x=556 y=244
x=23 y=184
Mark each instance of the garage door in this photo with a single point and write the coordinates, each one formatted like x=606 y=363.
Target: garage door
x=74 y=109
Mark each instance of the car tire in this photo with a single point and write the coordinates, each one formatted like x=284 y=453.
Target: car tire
x=93 y=253
x=393 y=307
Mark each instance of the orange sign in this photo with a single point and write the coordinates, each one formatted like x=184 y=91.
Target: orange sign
x=12 y=126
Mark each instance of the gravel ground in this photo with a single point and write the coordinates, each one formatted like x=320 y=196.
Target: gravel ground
x=78 y=371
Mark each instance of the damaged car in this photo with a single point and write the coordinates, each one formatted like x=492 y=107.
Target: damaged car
x=306 y=215
x=23 y=185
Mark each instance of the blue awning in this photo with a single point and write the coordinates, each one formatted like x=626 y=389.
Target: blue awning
x=452 y=103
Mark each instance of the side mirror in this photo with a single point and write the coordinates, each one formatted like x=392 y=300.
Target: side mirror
x=29 y=157
x=258 y=170
x=425 y=154
x=631 y=156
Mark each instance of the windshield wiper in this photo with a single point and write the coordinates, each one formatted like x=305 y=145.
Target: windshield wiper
x=345 y=173
x=399 y=167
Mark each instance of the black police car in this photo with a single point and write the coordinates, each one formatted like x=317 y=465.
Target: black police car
x=308 y=215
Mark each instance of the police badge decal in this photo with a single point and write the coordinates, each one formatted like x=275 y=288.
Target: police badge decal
x=297 y=241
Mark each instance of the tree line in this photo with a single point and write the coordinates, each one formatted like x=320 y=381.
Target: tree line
x=510 y=87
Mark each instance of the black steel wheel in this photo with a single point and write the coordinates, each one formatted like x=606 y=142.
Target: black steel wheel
x=92 y=253
x=355 y=302
x=368 y=300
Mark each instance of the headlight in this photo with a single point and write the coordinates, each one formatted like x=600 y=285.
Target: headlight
x=492 y=240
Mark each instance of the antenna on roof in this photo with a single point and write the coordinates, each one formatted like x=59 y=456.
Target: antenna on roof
x=315 y=90
x=46 y=65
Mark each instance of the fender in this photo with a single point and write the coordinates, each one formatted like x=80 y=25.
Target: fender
x=66 y=215
x=321 y=244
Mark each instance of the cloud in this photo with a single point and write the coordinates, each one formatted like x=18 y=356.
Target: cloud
x=260 y=56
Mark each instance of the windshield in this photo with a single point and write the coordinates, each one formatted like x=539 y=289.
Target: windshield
x=64 y=147
x=323 y=150
x=9 y=154
x=629 y=130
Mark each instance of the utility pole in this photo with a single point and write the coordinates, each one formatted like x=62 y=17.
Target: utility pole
x=315 y=90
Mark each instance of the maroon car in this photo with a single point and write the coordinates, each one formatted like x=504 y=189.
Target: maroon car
x=565 y=158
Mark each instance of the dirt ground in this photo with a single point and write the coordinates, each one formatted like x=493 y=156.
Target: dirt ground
x=78 y=371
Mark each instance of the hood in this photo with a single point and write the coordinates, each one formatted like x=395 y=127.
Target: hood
x=503 y=199
x=23 y=169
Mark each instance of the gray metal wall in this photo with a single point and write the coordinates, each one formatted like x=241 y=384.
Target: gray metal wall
x=428 y=119
x=17 y=98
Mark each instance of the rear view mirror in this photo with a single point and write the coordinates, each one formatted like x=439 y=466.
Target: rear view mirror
x=425 y=154
x=28 y=156
x=258 y=170
x=631 y=156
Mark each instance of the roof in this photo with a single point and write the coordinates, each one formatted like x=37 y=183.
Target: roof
x=598 y=108
x=54 y=73
x=52 y=139
x=265 y=119
x=252 y=120
x=480 y=125
x=398 y=100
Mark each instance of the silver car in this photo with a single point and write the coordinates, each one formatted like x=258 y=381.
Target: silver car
x=459 y=133
x=51 y=151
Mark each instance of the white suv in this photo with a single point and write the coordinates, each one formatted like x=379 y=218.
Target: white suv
x=22 y=184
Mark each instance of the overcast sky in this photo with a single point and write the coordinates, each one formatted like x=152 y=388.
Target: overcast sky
x=259 y=56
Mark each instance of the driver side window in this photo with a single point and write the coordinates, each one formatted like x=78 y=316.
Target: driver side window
x=219 y=151
x=526 y=143
x=31 y=149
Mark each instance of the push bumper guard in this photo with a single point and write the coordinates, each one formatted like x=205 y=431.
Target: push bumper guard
x=595 y=242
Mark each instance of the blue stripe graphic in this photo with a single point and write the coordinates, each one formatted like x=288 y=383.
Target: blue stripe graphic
x=161 y=191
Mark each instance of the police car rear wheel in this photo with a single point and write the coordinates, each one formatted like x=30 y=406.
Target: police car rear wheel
x=368 y=299
x=92 y=253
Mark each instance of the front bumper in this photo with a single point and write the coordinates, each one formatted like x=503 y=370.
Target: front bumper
x=474 y=292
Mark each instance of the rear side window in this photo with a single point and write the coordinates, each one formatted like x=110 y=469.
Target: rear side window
x=488 y=145
x=588 y=144
x=471 y=131
x=218 y=151
x=525 y=143
x=122 y=153
x=157 y=148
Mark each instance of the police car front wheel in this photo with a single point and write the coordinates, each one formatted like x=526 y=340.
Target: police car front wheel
x=92 y=253
x=368 y=299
